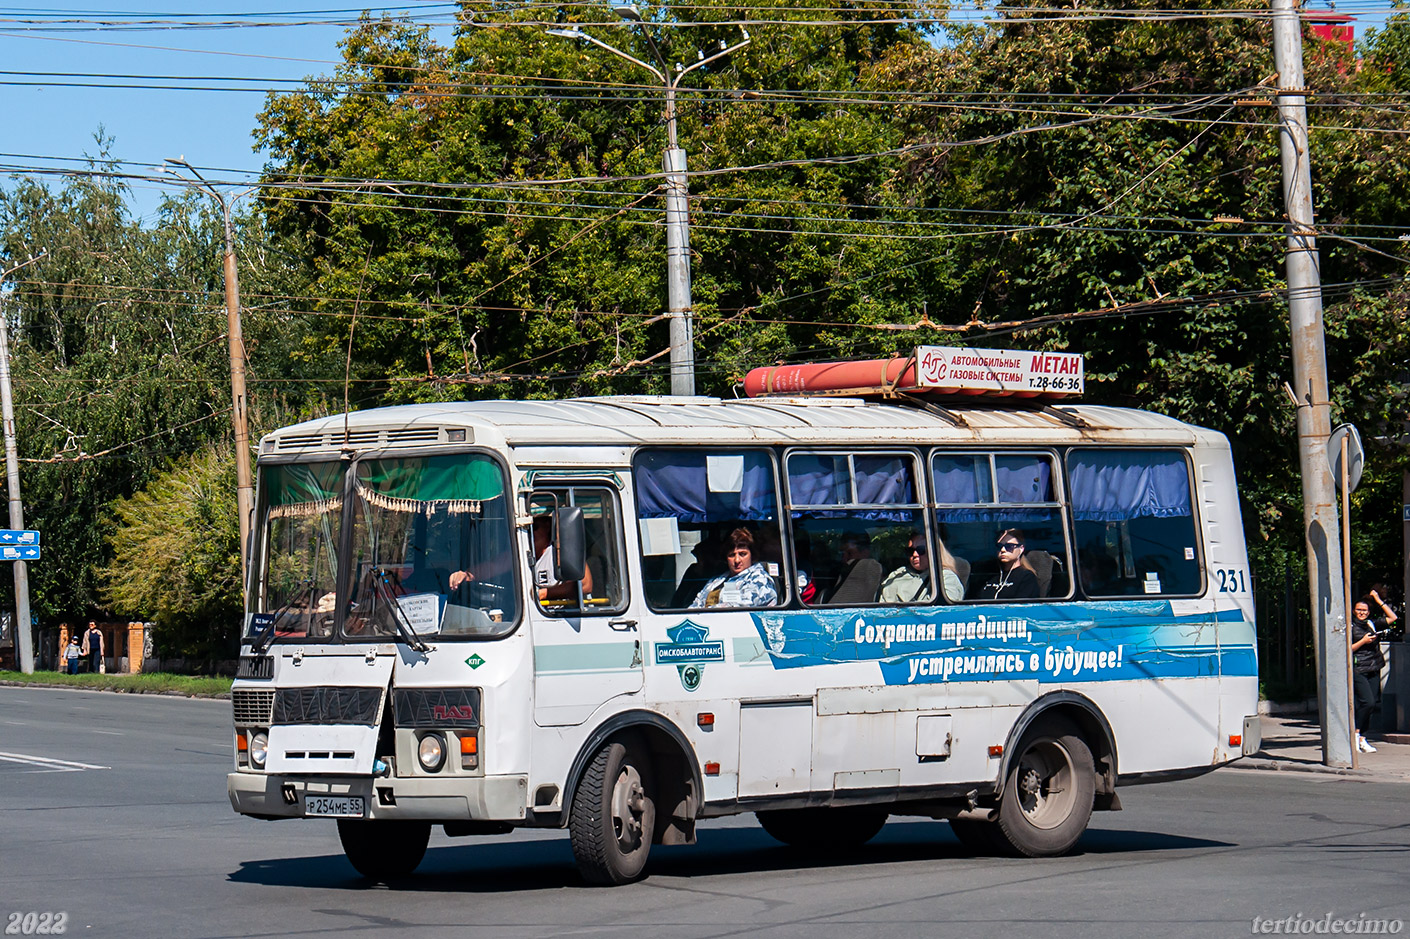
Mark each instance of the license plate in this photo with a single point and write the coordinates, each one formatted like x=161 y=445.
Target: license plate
x=334 y=806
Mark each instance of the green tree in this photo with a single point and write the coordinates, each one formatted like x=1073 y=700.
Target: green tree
x=176 y=557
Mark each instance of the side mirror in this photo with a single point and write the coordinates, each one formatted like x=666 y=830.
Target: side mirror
x=569 y=544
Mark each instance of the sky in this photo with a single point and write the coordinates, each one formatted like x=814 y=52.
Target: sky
x=52 y=54
x=173 y=79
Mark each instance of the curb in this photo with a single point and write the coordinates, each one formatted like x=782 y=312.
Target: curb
x=63 y=687
x=1278 y=766
x=1287 y=708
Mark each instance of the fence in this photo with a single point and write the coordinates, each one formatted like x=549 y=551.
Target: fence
x=1287 y=665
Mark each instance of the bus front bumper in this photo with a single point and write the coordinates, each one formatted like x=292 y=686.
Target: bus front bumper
x=479 y=798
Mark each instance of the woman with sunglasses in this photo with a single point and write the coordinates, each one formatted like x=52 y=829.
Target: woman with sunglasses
x=911 y=583
x=1014 y=579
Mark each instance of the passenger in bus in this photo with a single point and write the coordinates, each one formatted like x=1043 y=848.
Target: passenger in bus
x=549 y=588
x=860 y=577
x=745 y=582
x=1014 y=580
x=911 y=583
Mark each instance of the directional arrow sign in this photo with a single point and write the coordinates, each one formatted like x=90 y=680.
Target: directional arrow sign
x=18 y=536
x=24 y=552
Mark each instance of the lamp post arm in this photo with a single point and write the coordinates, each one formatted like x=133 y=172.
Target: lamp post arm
x=618 y=52
x=708 y=59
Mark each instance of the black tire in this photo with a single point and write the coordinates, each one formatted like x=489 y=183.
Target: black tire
x=982 y=839
x=823 y=829
x=383 y=850
x=1049 y=791
x=613 y=818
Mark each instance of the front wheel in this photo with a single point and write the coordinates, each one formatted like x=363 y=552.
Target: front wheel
x=1049 y=792
x=383 y=850
x=613 y=818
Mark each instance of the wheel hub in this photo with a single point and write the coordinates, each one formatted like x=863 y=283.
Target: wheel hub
x=628 y=806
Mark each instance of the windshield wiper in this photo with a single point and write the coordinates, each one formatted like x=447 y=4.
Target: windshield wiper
x=266 y=634
x=400 y=620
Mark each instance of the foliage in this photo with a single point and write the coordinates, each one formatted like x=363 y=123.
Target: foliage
x=144 y=683
x=176 y=557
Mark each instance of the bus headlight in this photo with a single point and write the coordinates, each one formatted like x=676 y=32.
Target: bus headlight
x=259 y=749
x=431 y=751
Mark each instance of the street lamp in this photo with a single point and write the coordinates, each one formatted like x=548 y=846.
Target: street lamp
x=677 y=191
x=245 y=488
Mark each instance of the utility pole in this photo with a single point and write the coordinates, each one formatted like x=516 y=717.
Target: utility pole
x=1314 y=424
x=245 y=487
x=673 y=164
x=24 y=629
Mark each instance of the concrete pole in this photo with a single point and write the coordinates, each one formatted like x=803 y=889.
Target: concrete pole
x=1309 y=360
x=678 y=271
x=245 y=487
x=24 y=632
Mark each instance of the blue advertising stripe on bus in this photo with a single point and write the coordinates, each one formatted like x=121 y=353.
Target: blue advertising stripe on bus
x=1053 y=643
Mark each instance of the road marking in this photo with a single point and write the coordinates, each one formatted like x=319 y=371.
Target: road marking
x=63 y=766
x=111 y=733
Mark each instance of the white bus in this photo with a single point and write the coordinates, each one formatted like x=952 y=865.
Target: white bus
x=621 y=615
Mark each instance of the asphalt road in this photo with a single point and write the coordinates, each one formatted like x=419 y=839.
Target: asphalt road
x=134 y=836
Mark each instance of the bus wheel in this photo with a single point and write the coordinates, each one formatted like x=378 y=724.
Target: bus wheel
x=823 y=829
x=383 y=850
x=1049 y=791
x=613 y=817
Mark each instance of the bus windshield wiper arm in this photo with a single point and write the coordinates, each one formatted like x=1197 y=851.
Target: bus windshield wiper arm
x=266 y=635
x=400 y=620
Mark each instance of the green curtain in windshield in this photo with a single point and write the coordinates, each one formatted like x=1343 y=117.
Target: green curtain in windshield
x=303 y=489
x=457 y=483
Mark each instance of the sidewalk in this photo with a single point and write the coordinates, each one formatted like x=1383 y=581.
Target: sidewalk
x=1294 y=743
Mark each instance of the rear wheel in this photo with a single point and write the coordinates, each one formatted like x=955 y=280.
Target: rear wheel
x=823 y=829
x=1049 y=791
x=613 y=817
x=384 y=850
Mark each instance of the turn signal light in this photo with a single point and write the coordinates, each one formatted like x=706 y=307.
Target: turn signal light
x=705 y=719
x=242 y=743
x=469 y=752
x=996 y=750
x=712 y=769
x=1236 y=740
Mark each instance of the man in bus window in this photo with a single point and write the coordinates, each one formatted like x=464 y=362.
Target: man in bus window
x=1014 y=580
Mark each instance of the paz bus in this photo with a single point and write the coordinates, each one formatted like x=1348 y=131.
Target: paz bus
x=930 y=586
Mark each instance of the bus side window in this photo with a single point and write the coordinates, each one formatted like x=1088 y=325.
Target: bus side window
x=694 y=507
x=602 y=589
x=1135 y=524
x=986 y=501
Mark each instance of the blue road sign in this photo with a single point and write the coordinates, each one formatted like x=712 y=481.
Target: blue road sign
x=23 y=552
x=18 y=536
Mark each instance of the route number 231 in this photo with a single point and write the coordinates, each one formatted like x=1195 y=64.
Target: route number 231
x=1231 y=581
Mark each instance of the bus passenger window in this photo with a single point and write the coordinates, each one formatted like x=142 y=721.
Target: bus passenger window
x=709 y=529
x=1134 y=522
x=858 y=530
x=1001 y=516
x=602 y=588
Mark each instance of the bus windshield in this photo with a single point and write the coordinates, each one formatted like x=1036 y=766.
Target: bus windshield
x=431 y=549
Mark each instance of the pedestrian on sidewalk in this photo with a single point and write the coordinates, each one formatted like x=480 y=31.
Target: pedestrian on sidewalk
x=93 y=649
x=1367 y=634
x=71 y=656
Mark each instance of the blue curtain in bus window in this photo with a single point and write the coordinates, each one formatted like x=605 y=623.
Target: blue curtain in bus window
x=1111 y=485
x=1023 y=479
x=675 y=484
x=962 y=479
x=885 y=480
x=818 y=479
